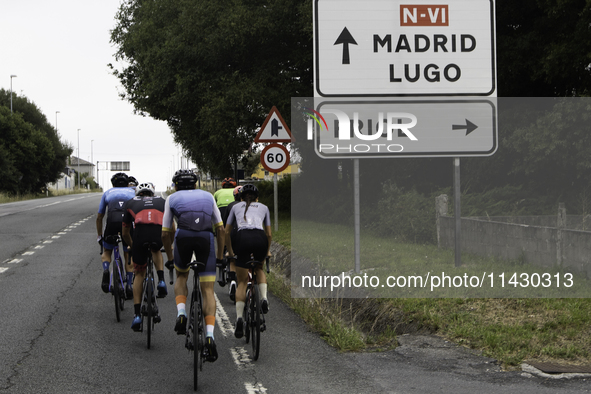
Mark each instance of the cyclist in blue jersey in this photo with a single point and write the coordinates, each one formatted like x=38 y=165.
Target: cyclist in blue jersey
x=197 y=218
x=112 y=204
x=253 y=221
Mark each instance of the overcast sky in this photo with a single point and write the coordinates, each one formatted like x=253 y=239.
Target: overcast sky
x=59 y=51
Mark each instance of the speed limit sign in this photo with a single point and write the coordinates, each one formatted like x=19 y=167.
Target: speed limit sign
x=275 y=158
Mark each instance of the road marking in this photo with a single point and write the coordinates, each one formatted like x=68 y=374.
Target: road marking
x=62 y=233
x=3 y=269
x=47 y=242
x=28 y=253
x=241 y=357
x=256 y=388
x=225 y=324
x=39 y=246
x=55 y=236
x=15 y=261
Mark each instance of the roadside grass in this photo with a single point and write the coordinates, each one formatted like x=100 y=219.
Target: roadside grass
x=510 y=330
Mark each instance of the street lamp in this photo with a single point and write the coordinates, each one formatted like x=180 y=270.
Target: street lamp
x=78 y=159
x=56 y=112
x=12 y=76
x=91 y=157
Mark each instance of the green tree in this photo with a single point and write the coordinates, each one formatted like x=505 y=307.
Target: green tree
x=32 y=153
x=212 y=69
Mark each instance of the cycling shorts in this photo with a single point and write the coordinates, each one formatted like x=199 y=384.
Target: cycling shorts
x=142 y=234
x=112 y=229
x=201 y=243
x=249 y=242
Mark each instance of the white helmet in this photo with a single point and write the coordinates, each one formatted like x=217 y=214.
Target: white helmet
x=145 y=187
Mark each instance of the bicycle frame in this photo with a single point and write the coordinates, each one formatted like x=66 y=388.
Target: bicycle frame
x=149 y=306
x=117 y=276
x=254 y=319
x=195 y=337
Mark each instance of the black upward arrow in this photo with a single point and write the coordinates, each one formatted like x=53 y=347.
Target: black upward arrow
x=469 y=126
x=345 y=38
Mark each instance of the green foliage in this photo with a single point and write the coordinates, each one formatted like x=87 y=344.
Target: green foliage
x=266 y=194
x=31 y=153
x=213 y=69
x=407 y=215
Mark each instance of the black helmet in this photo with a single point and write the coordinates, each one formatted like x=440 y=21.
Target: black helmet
x=120 y=179
x=184 y=179
x=249 y=189
x=132 y=180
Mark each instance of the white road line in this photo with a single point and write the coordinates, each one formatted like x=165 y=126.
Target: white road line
x=39 y=247
x=55 y=236
x=15 y=261
x=225 y=324
x=256 y=388
x=62 y=233
x=48 y=241
x=241 y=357
x=28 y=253
x=2 y=269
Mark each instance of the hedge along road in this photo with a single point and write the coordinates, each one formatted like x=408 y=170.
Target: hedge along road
x=58 y=331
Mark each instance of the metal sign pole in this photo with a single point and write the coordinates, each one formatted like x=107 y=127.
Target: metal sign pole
x=457 y=212
x=357 y=215
x=275 y=202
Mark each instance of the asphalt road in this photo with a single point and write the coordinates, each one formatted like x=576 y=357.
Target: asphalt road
x=59 y=334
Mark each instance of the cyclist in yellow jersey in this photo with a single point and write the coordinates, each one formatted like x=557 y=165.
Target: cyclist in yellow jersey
x=224 y=197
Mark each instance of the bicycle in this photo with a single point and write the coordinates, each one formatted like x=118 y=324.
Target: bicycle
x=149 y=307
x=254 y=319
x=117 y=287
x=195 y=336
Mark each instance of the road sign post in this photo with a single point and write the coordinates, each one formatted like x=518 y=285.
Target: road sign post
x=274 y=157
x=383 y=49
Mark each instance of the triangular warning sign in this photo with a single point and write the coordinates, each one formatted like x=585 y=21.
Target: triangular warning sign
x=274 y=129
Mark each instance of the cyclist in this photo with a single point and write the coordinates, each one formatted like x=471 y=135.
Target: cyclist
x=132 y=182
x=112 y=202
x=225 y=196
x=253 y=221
x=144 y=212
x=197 y=217
x=232 y=273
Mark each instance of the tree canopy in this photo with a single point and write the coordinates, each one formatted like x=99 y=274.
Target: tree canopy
x=212 y=69
x=31 y=153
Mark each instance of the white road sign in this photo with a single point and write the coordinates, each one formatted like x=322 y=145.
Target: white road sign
x=385 y=48
x=275 y=158
x=399 y=128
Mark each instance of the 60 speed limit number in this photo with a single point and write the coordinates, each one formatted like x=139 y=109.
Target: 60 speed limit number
x=275 y=158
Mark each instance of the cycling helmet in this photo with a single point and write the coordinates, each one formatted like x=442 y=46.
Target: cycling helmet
x=228 y=182
x=249 y=189
x=236 y=191
x=131 y=180
x=120 y=179
x=184 y=179
x=146 y=188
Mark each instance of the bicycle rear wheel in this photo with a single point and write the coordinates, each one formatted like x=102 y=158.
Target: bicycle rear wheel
x=116 y=289
x=194 y=330
x=246 y=314
x=150 y=308
x=256 y=323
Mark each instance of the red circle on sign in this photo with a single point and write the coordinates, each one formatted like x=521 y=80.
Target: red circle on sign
x=275 y=158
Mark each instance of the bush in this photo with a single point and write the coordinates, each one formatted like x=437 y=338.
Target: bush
x=408 y=215
x=266 y=189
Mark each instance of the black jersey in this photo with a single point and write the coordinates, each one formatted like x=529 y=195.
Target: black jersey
x=144 y=210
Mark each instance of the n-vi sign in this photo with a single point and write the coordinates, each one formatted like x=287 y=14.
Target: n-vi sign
x=385 y=48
